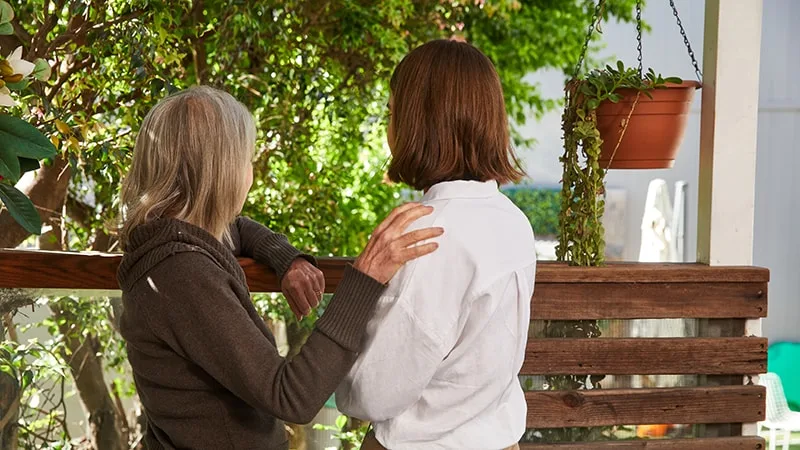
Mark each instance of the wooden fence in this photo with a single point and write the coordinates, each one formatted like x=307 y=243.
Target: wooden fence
x=724 y=297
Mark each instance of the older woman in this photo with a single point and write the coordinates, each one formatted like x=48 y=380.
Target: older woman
x=206 y=367
x=439 y=370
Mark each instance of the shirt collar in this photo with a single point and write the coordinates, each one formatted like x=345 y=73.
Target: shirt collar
x=461 y=189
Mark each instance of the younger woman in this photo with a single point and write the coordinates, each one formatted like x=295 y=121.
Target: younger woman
x=206 y=367
x=444 y=348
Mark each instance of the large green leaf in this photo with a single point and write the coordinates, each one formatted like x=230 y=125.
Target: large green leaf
x=9 y=164
x=41 y=70
x=24 y=139
x=21 y=208
x=28 y=164
x=18 y=86
x=6 y=29
x=6 y=12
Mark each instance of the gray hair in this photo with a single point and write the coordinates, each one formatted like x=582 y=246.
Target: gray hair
x=189 y=161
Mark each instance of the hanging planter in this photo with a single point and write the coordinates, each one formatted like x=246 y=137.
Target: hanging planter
x=614 y=118
x=650 y=139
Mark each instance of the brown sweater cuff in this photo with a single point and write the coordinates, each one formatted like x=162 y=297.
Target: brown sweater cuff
x=345 y=319
x=274 y=250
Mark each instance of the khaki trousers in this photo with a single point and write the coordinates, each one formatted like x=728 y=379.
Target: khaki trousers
x=370 y=443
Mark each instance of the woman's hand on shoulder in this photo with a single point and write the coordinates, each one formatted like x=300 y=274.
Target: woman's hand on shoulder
x=390 y=247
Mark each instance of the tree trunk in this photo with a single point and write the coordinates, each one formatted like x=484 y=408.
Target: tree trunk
x=9 y=407
x=86 y=368
x=11 y=395
x=87 y=371
x=9 y=411
x=199 y=54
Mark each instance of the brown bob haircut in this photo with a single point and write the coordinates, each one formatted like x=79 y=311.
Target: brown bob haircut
x=449 y=118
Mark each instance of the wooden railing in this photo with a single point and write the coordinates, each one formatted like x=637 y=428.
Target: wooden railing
x=725 y=297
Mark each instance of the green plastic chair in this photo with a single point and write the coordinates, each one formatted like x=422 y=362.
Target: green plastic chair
x=779 y=416
x=784 y=359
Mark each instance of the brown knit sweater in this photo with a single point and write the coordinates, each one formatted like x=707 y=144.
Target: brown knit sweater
x=206 y=367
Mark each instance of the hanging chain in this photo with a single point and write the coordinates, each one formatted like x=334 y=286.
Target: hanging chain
x=595 y=22
x=697 y=70
x=639 y=34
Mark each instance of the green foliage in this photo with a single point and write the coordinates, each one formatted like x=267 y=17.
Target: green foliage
x=6 y=16
x=21 y=144
x=22 y=140
x=541 y=206
x=342 y=432
x=37 y=371
x=605 y=84
x=20 y=208
x=314 y=74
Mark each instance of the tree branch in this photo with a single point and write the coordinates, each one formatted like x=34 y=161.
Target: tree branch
x=49 y=24
x=22 y=34
x=55 y=89
x=121 y=19
x=199 y=44
x=10 y=413
x=82 y=32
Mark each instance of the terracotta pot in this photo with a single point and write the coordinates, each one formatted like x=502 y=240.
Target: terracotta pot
x=651 y=431
x=655 y=131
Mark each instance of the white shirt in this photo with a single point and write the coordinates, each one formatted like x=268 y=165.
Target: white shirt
x=443 y=350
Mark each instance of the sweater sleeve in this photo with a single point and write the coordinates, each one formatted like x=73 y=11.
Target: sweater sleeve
x=204 y=321
x=253 y=240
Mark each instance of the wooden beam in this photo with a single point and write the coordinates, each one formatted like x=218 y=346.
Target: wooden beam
x=730 y=443
x=89 y=270
x=599 y=407
x=648 y=273
x=658 y=300
x=645 y=356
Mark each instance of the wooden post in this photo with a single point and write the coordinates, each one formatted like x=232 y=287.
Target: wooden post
x=729 y=121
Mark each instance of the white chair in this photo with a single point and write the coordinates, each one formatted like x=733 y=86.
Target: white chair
x=779 y=416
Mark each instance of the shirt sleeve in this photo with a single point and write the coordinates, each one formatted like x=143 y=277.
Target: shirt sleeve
x=203 y=319
x=409 y=336
x=254 y=240
x=392 y=373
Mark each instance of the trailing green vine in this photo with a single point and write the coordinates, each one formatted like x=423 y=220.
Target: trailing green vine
x=581 y=239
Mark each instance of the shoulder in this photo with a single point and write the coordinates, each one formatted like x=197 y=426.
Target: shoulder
x=484 y=230
x=188 y=262
x=187 y=273
x=483 y=239
x=450 y=250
